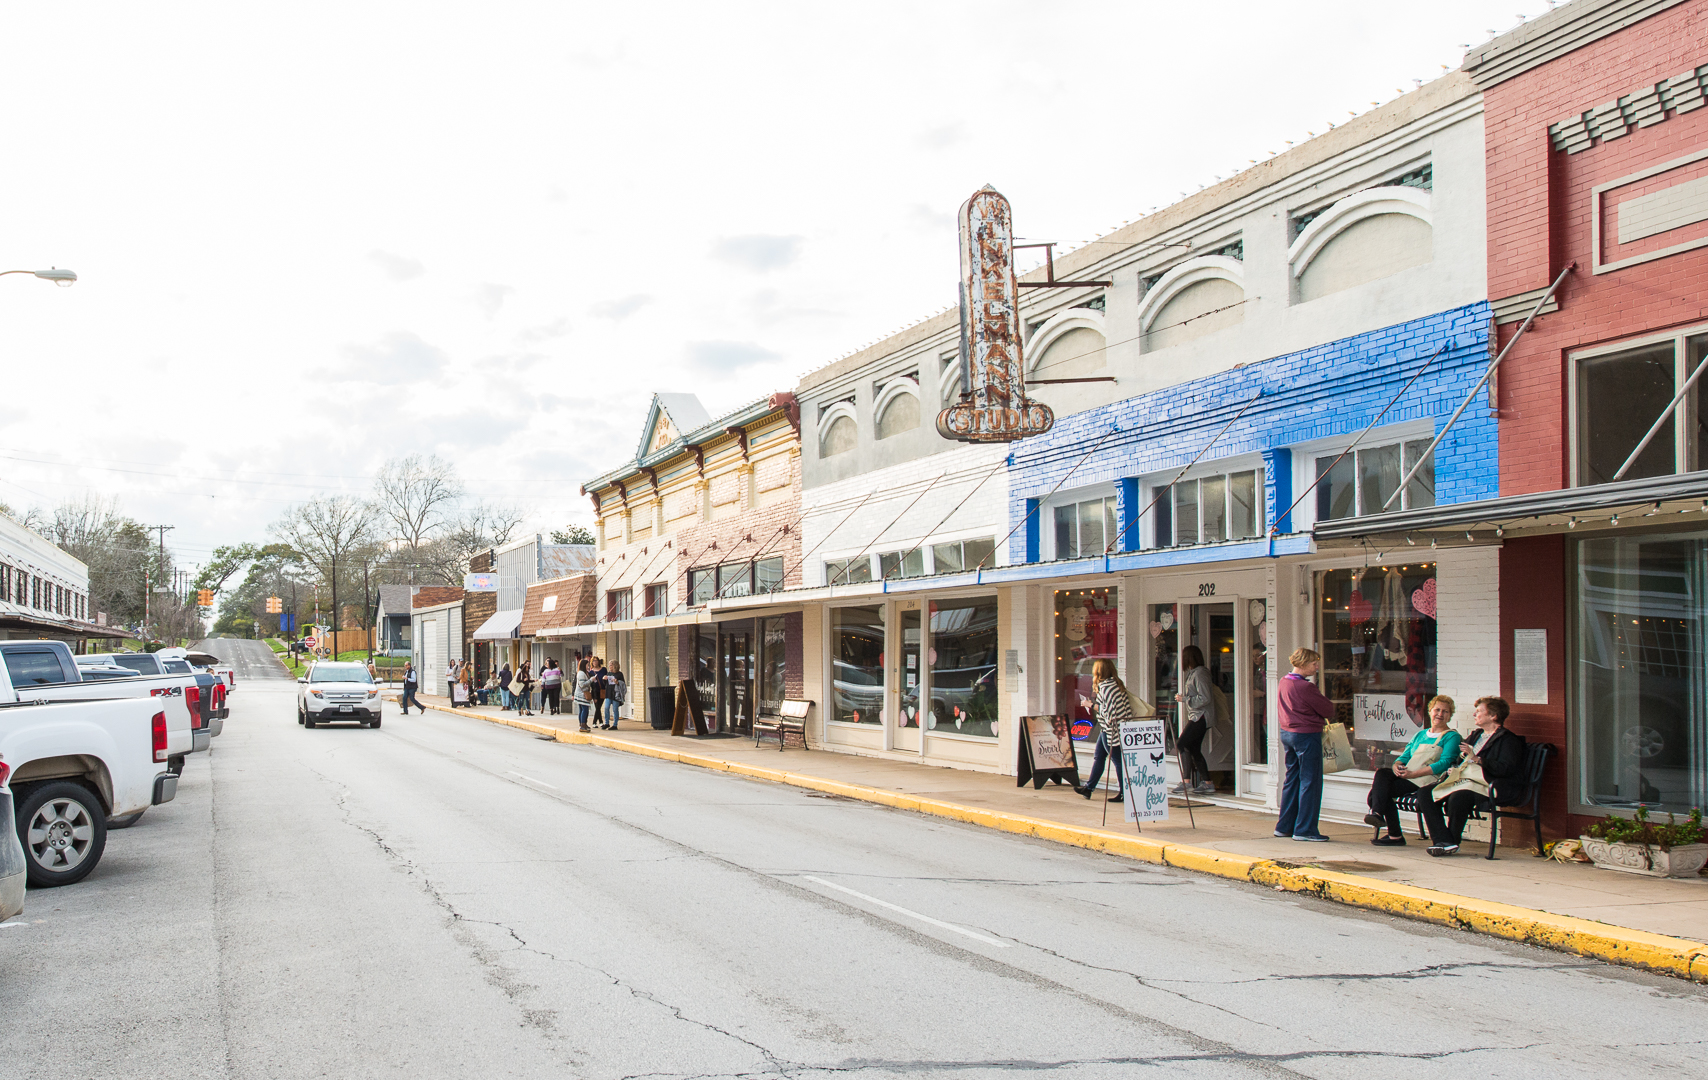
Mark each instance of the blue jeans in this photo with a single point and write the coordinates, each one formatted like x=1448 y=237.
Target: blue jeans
x=524 y=700
x=1099 y=758
x=409 y=698
x=1302 y=788
x=582 y=709
x=509 y=698
x=611 y=712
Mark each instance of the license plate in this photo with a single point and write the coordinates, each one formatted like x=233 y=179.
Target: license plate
x=343 y=708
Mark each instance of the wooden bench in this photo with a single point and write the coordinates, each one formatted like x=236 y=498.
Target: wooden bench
x=791 y=720
x=1535 y=759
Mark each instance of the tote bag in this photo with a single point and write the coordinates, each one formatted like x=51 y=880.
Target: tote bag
x=1337 y=749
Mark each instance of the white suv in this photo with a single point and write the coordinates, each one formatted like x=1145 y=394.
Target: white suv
x=337 y=691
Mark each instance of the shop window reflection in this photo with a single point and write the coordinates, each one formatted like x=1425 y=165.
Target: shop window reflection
x=1377 y=635
x=1087 y=630
x=963 y=666
x=857 y=656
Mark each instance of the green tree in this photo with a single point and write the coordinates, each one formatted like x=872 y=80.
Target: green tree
x=575 y=534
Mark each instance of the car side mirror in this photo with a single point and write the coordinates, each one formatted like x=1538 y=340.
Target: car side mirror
x=302 y=678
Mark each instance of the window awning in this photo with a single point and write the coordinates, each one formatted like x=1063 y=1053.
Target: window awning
x=501 y=627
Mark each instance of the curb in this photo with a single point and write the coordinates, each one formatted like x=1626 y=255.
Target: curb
x=1601 y=941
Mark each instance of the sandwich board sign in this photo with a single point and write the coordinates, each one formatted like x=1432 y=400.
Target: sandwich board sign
x=1144 y=760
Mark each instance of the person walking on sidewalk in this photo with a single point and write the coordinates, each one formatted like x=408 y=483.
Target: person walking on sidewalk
x=1197 y=705
x=582 y=699
x=504 y=680
x=551 y=687
x=522 y=684
x=616 y=692
x=1113 y=704
x=1431 y=752
x=1305 y=712
x=411 y=683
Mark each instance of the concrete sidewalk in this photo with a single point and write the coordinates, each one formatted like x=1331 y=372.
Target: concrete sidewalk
x=1626 y=918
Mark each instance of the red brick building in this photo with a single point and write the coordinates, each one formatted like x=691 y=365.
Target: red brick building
x=1597 y=131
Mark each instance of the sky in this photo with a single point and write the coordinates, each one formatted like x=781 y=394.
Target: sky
x=314 y=236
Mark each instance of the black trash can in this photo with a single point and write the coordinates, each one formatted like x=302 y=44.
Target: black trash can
x=661 y=706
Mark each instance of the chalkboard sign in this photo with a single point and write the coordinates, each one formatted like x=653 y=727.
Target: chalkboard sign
x=1046 y=752
x=688 y=709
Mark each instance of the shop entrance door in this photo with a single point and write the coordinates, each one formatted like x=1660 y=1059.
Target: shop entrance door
x=735 y=678
x=1211 y=628
x=909 y=688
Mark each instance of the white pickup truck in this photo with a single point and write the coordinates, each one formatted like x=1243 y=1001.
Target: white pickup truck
x=196 y=701
x=70 y=765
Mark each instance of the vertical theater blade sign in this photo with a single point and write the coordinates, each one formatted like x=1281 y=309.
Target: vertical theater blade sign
x=993 y=405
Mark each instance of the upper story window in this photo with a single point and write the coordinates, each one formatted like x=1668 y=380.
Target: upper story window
x=897 y=406
x=961 y=555
x=838 y=431
x=1211 y=509
x=619 y=605
x=1360 y=483
x=902 y=564
x=657 y=600
x=1620 y=396
x=848 y=571
x=1367 y=235
x=1085 y=529
x=702 y=585
x=5 y=582
x=1198 y=297
x=735 y=579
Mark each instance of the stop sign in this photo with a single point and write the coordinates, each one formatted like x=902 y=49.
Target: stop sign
x=308 y=641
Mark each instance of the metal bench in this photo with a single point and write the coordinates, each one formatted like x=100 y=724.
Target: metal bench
x=791 y=720
x=1535 y=760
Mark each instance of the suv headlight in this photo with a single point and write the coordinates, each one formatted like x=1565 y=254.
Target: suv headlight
x=316 y=693
x=373 y=693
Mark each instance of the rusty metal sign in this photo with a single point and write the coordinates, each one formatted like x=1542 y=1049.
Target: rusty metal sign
x=993 y=405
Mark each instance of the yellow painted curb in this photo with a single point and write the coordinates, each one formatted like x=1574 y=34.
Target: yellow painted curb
x=1600 y=941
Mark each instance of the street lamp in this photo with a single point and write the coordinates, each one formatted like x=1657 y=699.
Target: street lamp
x=62 y=278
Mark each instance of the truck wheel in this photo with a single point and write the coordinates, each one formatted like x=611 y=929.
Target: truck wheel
x=124 y=822
x=63 y=828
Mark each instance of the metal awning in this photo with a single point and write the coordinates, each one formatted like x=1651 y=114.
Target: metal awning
x=503 y=626
x=1632 y=501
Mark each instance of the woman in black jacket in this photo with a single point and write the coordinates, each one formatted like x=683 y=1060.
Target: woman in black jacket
x=1502 y=754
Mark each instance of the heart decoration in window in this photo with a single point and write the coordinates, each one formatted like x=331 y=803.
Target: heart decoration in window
x=1359 y=608
x=1156 y=629
x=1423 y=599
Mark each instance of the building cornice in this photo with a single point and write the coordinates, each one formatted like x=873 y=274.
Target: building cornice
x=1550 y=36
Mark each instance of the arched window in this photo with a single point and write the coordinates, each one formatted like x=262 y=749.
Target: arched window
x=837 y=430
x=897 y=407
x=1365 y=236
x=1069 y=346
x=1196 y=298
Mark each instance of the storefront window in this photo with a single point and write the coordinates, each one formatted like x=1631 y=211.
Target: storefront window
x=857 y=659
x=1376 y=633
x=1164 y=633
x=1641 y=675
x=773 y=665
x=963 y=666
x=1087 y=624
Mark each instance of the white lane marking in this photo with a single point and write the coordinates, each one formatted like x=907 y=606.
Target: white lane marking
x=531 y=780
x=911 y=914
x=14 y=922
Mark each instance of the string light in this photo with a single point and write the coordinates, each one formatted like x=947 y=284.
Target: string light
x=1409 y=541
x=1500 y=530
x=1572 y=524
x=1615 y=519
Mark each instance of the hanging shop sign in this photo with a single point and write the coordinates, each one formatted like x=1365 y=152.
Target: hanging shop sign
x=480 y=582
x=993 y=405
x=1144 y=760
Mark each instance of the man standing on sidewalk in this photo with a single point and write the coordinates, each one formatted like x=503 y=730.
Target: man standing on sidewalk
x=410 y=684
x=1305 y=712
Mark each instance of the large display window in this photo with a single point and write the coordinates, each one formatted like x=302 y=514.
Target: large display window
x=962 y=657
x=1640 y=676
x=857 y=664
x=1376 y=632
x=1088 y=625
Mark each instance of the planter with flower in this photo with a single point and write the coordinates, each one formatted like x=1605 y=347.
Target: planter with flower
x=1637 y=845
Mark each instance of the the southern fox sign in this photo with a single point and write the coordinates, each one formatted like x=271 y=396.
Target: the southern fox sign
x=1382 y=718
x=1144 y=760
x=993 y=405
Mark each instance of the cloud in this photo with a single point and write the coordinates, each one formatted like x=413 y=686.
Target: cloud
x=618 y=310
x=758 y=252
x=922 y=216
x=397 y=357
x=941 y=138
x=727 y=357
x=397 y=267
x=491 y=297
x=545 y=332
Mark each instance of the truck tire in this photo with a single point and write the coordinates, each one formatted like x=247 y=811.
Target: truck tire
x=124 y=822
x=63 y=828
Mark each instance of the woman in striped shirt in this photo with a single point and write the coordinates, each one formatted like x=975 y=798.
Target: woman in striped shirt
x=1113 y=705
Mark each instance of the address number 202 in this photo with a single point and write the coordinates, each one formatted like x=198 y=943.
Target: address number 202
x=1208 y=588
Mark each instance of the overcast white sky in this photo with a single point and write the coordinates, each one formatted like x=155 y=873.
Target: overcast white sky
x=315 y=235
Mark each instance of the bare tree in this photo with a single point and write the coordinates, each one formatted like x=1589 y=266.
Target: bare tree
x=415 y=496
x=329 y=531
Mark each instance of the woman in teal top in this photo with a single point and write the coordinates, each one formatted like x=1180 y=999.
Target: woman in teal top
x=1430 y=753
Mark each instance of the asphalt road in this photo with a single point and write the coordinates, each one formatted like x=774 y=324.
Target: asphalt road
x=445 y=898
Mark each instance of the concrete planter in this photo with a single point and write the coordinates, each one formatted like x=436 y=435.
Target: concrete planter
x=1641 y=859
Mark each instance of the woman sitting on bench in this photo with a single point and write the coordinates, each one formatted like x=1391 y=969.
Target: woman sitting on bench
x=1501 y=753
x=1430 y=753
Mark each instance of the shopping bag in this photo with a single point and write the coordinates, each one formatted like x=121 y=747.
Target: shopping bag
x=1465 y=776
x=1337 y=749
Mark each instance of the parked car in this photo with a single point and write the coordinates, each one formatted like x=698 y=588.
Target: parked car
x=334 y=690
x=46 y=670
x=71 y=764
x=207 y=705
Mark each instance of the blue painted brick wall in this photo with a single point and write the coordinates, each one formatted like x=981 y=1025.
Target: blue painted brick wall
x=1330 y=390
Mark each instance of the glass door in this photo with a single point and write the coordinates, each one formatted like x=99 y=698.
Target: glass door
x=1210 y=638
x=910 y=687
x=735 y=689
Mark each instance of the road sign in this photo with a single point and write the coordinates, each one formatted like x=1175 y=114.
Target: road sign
x=308 y=641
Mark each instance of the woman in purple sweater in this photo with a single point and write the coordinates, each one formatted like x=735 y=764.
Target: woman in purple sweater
x=1305 y=712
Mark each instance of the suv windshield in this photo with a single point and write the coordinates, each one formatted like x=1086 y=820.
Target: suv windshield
x=339 y=673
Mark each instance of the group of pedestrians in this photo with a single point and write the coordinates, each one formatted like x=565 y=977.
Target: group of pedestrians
x=599 y=693
x=1305 y=714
